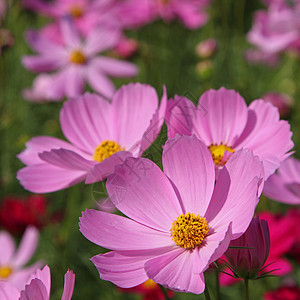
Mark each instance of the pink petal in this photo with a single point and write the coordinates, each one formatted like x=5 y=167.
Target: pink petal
x=8 y=291
x=7 y=246
x=45 y=276
x=102 y=170
x=42 y=63
x=175 y=270
x=68 y=286
x=46 y=178
x=118 y=233
x=101 y=39
x=27 y=247
x=125 y=268
x=221 y=117
x=280 y=264
x=115 y=67
x=141 y=191
x=133 y=106
x=69 y=33
x=156 y=123
x=236 y=193
x=40 y=144
x=36 y=290
x=86 y=121
x=74 y=84
x=99 y=81
x=189 y=164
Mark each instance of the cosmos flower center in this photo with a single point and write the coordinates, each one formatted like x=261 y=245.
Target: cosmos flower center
x=188 y=231
x=77 y=57
x=76 y=11
x=149 y=284
x=106 y=149
x=5 y=272
x=217 y=152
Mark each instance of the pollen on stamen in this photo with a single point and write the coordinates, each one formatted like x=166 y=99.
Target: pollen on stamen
x=77 y=57
x=106 y=149
x=76 y=11
x=189 y=231
x=5 y=272
x=217 y=152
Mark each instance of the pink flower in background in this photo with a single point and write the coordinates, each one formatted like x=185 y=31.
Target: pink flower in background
x=12 y=261
x=178 y=222
x=284 y=293
x=206 y=48
x=225 y=124
x=76 y=62
x=101 y=135
x=294 y=214
x=284 y=186
x=38 y=287
x=283 y=102
x=247 y=263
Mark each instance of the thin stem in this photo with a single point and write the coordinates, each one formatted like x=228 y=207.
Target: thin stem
x=246 y=289
x=218 y=285
x=164 y=292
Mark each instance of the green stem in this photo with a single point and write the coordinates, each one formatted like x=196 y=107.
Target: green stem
x=218 y=285
x=206 y=293
x=164 y=292
x=246 y=289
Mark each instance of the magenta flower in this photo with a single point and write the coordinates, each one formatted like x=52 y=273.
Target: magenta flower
x=101 y=135
x=38 y=287
x=12 y=262
x=179 y=222
x=225 y=124
x=77 y=62
x=248 y=262
x=284 y=186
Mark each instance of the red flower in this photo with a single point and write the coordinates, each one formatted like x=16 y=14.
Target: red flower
x=16 y=213
x=284 y=293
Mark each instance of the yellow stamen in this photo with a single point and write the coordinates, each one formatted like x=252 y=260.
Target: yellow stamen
x=106 y=149
x=5 y=272
x=149 y=284
x=217 y=152
x=77 y=57
x=76 y=11
x=188 y=231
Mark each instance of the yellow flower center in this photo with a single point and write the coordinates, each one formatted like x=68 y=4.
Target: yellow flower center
x=5 y=272
x=149 y=284
x=188 y=231
x=77 y=57
x=217 y=152
x=164 y=2
x=106 y=149
x=76 y=11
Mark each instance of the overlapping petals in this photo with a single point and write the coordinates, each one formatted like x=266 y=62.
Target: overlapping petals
x=153 y=200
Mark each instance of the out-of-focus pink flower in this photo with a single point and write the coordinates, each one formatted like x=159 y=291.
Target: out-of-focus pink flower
x=126 y=47
x=178 y=221
x=284 y=293
x=77 y=62
x=284 y=186
x=247 y=263
x=257 y=56
x=101 y=135
x=225 y=124
x=38 y=287
x=283 y=235
x=283 y=102
x=12 y=262
x=207 y=48
x=16 y=214
x=6 y=39
x=149 y=290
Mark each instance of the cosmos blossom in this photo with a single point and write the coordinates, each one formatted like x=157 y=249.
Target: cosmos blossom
x=77 y=62
x=101 y=135
x=225 y=124
x=38 y=287
x=178 y=221
x=12 y=261
x=284 y=186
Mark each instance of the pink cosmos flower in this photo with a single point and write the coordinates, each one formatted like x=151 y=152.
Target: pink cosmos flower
x=77 y=62
x=101 y=135
x=207 y=48
x=284 y=186
x=282 y=101
x=179 y=221
x=284 y=293
x=248 y=262
x=12 y=262
x=38 y=287
x=225 y=124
